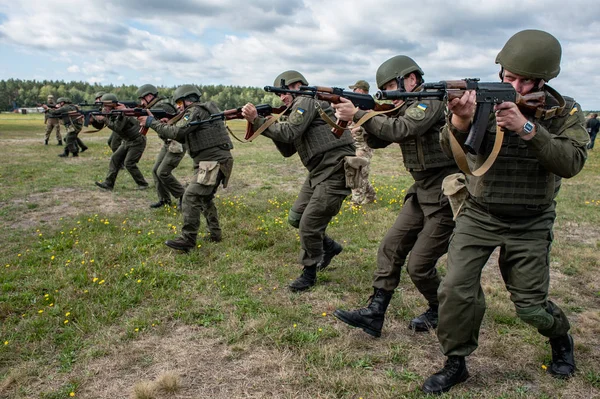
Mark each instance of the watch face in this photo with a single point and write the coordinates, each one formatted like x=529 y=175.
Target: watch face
x=528 y=127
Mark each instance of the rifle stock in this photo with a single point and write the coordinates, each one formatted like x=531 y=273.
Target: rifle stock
x=487 y=95
x=236 y=113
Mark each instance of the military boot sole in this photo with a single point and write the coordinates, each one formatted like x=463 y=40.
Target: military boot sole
x=340 y=314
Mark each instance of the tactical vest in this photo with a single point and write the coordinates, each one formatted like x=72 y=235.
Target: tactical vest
x=208 y=135
x=517 y=177
x=130 y=131
x=75 y=121
x=319 y=138
x=425 y=152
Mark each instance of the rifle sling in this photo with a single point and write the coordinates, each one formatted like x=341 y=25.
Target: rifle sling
x=461 y=158
x=233 y=135
x=545 y=114
x=327 y=119
x=372 y=113
x=265 y=126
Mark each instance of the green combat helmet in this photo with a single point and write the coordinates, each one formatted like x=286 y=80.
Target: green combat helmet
x=396 y=68
x=65 y=100
x=184 y=91
x=146 y=89
x=290 y=77
x=99 y=94
x=531 y=53
x=109 y=97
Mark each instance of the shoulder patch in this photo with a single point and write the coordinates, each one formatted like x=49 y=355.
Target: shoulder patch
x=573 y=110
x=296 y=117
x=422 y=106
x=415 y=113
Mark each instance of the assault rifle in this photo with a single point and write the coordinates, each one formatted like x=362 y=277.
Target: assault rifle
x=333 y=95
x=136 y=112
x=128 y=104
x=236 y=113
x=487 y=95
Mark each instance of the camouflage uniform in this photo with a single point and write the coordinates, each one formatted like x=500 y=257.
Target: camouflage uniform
x=52 y=123
x=73 y=125
x=210 y=148
x=365 y=193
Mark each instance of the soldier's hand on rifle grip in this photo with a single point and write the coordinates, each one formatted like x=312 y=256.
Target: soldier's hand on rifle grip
x=345 y=110
x=463 y=110
x=509 y=117
x=249 y=112
x=142 y=120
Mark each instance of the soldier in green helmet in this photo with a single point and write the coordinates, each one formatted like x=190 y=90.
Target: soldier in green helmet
x=114 y=140
x=72 y=121
x=512 y=206
x=131 y=149
x=170 y=154
x=425 y=222
x=210 y=147
x=324 y=190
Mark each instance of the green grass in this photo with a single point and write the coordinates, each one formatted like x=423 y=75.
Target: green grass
x=85 y=280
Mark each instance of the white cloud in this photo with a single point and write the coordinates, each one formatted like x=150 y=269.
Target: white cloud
x=73 y=69
x=331 y=42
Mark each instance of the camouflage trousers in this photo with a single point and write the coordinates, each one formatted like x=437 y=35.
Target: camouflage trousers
x=365 y=193
x=51 y=123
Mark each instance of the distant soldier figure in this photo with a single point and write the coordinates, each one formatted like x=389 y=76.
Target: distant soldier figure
x=170 y=154
x=51 y=123
x=69 y=116
x=364 y=194
x=592 y=125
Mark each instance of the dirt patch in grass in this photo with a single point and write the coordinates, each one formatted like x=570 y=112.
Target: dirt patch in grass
x=205 y=366
x=59 y=203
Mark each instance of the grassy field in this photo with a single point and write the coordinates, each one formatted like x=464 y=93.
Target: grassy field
x=94 y=305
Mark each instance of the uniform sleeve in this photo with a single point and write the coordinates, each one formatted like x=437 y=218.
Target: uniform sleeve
x=418 y=118
x=182 y=128
x=59 y=111
x=563 y=152
x=301 y=116
x=120 y=122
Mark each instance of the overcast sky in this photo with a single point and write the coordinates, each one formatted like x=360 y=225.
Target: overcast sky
x=248 y=43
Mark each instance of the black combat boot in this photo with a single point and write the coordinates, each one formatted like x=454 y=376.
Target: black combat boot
x=104 y=185
x=213 y=237
x=426 y=321
x=65 y=154
x=59 y=142
x=454 y=372
x=180 y=244
x=75 y=154
x=330 y=249
x=307 y=279
x=46 y=142
x=160 y=204
x=563 y=359
x=370 y=319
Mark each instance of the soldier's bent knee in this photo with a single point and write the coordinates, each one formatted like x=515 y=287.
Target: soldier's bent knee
x=536 y=316
x=294 y=218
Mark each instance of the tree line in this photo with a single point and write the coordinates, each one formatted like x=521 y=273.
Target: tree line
x=16 y=93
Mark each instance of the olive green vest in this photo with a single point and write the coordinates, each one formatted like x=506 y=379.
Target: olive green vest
x=425 y=152
x=319 y=139
x=76 y=121
x=517 y=177
x=208 y=135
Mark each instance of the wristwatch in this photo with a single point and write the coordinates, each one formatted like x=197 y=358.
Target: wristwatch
x=528 y=128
